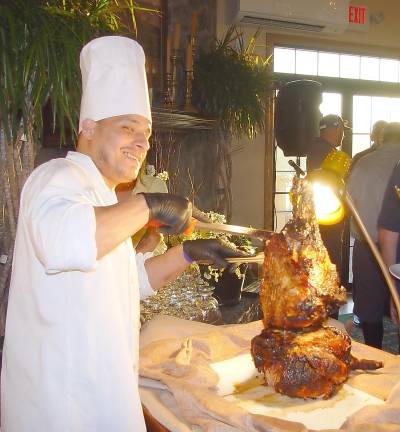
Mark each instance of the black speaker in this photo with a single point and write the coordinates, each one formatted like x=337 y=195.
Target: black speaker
x=297 y=116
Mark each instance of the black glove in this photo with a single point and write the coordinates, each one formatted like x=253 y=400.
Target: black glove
x=213 y=251
x=173 y=212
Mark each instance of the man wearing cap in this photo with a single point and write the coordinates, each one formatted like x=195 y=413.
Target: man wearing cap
x=331 y=129
x=70 y=359
x=331 y=134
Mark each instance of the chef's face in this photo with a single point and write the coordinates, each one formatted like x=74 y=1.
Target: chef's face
x=119 y=146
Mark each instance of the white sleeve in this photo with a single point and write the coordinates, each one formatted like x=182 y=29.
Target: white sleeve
x=145 y=288
x=62 y=227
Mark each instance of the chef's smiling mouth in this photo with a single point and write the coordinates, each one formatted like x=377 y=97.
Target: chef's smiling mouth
x=132 y=156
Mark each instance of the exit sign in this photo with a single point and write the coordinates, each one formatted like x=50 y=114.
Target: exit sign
x=358 y=18
x=357 y=14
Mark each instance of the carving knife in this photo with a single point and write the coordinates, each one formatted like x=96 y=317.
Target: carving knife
x=198 y=225
x=230 y=229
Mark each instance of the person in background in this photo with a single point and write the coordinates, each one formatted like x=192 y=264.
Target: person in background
x=331 y=134
x=70 y=357
x=332 y=128
x=366 y=185
x=376 y=138
x=377 y=133
x=389 y=229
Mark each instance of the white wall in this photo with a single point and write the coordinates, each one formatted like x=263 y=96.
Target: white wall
x=248 y=182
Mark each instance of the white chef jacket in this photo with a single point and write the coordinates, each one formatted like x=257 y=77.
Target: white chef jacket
x=70 y=359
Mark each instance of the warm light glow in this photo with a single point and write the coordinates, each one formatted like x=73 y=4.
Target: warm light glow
x=328 y=208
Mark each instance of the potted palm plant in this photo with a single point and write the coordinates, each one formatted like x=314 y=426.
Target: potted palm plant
x=230 y=84
x=40 y=42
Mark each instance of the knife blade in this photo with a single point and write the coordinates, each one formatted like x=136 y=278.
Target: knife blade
x=233 y=229
x=258 y=259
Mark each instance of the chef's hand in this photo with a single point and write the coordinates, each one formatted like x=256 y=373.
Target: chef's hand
x=172 y=212
x=213 y=251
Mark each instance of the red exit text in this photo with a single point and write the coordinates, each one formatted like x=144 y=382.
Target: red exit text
x=357 y=14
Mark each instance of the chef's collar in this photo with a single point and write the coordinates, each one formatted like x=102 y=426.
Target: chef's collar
x=87 y=162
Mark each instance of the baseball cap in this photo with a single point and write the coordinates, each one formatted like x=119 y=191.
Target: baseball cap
x=333 y=120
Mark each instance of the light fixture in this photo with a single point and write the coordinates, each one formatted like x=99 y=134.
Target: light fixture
x=328 y=187
x=328 y=181
x=327 y=190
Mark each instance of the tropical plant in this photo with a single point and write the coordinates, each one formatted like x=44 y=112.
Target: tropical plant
x=39 y=51
x=231 y=82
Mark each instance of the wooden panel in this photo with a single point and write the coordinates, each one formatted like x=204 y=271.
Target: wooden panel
x=152 y=424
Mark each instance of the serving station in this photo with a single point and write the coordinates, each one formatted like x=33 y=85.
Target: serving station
x=195 y=374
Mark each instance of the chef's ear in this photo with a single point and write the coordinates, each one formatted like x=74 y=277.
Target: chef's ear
x=88 y=127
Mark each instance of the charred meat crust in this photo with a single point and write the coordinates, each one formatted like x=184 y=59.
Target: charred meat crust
x=298 y=355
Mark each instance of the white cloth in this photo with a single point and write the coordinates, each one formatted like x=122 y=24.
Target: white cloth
x=367 y=184
x=113 y=79
x=70 y=359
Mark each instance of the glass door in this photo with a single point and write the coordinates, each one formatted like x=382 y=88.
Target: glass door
x=367 y=110
x=360 y=88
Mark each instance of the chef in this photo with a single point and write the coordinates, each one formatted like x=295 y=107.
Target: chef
x=70 y=359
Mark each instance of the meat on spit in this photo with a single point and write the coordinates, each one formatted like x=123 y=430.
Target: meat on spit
x=300 y=287
x=298 y=354
x=306 y=364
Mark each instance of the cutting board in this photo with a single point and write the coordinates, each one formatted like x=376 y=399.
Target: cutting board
x=240 y=382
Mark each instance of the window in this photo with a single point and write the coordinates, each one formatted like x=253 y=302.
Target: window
x=361 y=98
x=306 y=62
x=284 y=60
x=331 y=104
x=349 y=66
x=366 y=111
x=389 y=70
x=330 y=64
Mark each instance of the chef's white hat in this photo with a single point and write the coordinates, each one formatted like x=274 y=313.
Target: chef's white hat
x=113 y=79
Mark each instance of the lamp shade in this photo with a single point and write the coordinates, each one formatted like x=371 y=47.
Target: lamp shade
x=328 y=187
x=338 y=162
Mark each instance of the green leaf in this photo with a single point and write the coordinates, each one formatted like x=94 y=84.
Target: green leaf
x=40 y=41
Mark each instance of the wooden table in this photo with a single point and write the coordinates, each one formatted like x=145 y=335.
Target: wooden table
x=152 y=425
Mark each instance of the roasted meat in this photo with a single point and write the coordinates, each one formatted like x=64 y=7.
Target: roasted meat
x=306 y=364
x=299 y=356
x=300 y=287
